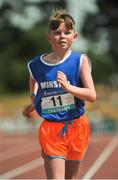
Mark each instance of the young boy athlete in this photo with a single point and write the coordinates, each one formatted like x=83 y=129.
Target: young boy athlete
x=64 y=81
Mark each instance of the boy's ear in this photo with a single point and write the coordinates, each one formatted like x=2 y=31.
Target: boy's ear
x=75 y=36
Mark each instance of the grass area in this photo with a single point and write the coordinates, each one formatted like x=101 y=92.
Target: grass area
x=106 y=103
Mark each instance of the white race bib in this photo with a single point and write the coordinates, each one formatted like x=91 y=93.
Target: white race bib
x=58 y=103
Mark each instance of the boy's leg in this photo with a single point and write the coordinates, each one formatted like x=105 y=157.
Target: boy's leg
x=55 y=168
x=79 y=132
x=71 y=170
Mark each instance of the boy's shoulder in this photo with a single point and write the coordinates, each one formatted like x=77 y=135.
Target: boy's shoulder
x=76 y=55
x=34 y=60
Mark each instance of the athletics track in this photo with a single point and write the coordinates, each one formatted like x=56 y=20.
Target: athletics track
x=20 y=157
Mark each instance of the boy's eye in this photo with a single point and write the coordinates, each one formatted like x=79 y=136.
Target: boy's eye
x=59 y=33
x=67 y=32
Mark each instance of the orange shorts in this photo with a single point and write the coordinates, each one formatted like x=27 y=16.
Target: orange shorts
x=65 y=140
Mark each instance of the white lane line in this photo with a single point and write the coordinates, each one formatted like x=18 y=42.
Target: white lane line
x=23 y=169
x=17 y=154
x=102 y=158
x=17 y=151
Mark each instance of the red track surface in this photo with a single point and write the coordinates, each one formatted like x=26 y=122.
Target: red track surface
x=20 y=158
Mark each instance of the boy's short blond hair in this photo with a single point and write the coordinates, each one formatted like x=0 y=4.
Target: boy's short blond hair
x=59 y=16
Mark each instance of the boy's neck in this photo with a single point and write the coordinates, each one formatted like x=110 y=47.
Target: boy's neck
x=55 y=57
x=60 y=55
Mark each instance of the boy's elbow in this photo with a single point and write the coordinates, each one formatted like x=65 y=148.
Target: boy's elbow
x=93 y=98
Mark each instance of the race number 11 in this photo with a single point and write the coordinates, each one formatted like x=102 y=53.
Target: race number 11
x=58 y=103
x=54 y=99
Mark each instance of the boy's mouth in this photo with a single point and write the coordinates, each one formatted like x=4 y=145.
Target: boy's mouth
x=62 y=42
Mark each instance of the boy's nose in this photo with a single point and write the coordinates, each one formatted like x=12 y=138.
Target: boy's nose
x=62 y=34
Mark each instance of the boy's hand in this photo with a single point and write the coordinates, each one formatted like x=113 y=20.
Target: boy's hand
x=62 y=79
x=28 y=110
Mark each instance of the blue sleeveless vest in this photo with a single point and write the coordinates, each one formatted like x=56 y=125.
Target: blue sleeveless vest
x=51 y=101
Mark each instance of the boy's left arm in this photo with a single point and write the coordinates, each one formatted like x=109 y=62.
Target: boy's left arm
x=88 y=91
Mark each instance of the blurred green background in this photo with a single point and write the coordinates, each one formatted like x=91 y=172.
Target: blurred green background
x=23 y=27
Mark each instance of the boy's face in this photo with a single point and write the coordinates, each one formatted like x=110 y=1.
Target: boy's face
x=61 y=38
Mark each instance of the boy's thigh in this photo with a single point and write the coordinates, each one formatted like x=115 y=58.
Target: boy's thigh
x=80 y=132
x=54 y=167
x=72 y=169
x=53 y=145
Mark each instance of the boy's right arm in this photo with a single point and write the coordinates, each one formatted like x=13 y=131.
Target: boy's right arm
x=33 y=90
